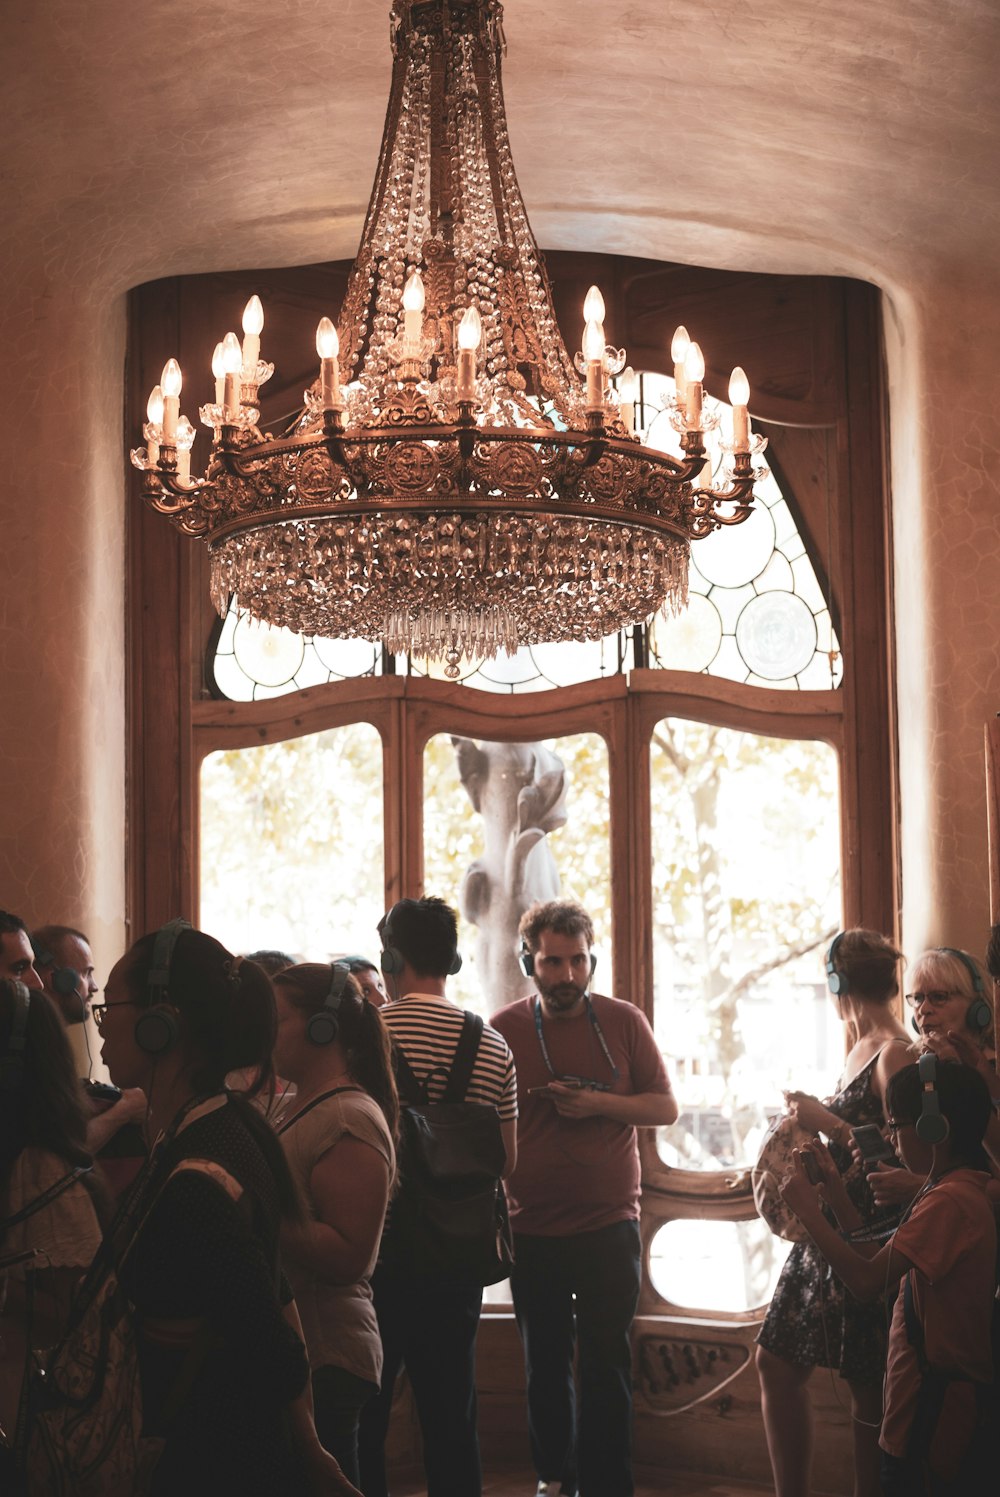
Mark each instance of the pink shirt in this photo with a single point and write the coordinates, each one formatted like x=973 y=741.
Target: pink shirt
x=577 y=1174
x=950 y=1238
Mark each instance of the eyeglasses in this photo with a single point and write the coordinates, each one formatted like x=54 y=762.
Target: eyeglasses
x=100 y=1009
x=935 y=998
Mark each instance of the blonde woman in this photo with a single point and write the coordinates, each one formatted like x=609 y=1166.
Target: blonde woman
x=951 y=1012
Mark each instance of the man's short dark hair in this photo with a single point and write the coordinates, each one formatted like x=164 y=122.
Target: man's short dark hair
x=46 y=940
x=963 y=1097
x=10 y=923
x=425 y=932
x=562 y=916
x=272 y=961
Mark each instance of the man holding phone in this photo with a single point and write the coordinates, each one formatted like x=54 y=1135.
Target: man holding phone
x=589 y=1074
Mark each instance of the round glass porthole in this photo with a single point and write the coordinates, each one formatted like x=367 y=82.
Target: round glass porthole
x=776 y=635
x=265 y=653
x=690 y=640
x=732 y=563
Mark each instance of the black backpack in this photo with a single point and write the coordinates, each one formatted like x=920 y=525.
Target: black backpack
x=448 y=1219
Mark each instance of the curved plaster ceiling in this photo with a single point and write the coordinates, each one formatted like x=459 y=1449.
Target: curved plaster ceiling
x=778 y=135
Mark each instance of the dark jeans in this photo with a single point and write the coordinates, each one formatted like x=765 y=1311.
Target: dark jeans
x=338 y=1398
x=911 y=1476
x=582 y=1289
x=432 y=1328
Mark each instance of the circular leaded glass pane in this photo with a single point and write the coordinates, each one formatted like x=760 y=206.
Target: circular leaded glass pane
x=268 y=655
x=346 y=657
x=583 y=660
x=732 y=556
x=689 y=641
x=776 y=635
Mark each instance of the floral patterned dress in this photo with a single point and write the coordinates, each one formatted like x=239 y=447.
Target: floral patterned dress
x=812 y=1320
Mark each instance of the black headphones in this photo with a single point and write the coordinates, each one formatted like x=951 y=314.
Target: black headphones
x=392 y=960
x=12 y=1059
x=979 y=1014
x=526 y=957
x=324 y=1025
x=837 y=981
x=65 y=980
x=156 y=1029
x=932 y=1125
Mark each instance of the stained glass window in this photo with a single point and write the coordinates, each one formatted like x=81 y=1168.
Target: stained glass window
x=756 y=612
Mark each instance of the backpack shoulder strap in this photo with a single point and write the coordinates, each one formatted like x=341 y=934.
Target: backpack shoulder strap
x=914 y=1330
x=412 y=1093
x=46 y=1198
x=216 y=1172
x=335 y=1091
x=465 y=1059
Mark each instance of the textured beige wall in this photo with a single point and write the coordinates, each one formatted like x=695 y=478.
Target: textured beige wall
x=62 y=730
x=946 y=445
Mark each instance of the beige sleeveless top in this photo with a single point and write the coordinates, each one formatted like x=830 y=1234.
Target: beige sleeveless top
x=338 y=1319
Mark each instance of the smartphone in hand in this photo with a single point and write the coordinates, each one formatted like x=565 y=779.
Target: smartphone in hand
x=872 y=1144
x=811 y=1166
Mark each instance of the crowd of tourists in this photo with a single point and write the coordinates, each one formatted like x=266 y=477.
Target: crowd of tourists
x=214 y=1269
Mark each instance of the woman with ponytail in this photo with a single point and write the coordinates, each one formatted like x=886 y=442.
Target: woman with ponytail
x=339 y=1136
x=222 y=1363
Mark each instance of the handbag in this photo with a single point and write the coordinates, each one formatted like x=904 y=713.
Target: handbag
x=774 y=1162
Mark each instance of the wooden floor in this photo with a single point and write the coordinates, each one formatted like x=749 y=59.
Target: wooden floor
x=648 y=1484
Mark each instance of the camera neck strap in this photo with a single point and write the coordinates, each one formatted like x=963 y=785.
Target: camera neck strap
x=598 y=1031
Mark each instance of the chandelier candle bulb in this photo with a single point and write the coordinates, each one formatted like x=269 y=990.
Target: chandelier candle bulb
x=253 y=324
x=679 y=345
x=328 y=348
x=413 y=308
x=185 y=441
x=593 y=306
x=232 y=364
x=694 y=373
x=628 y=393
x=154 y=415
x=470 y=333
x=593 y=353
x=739 y=396
x=170 y=384
x=219 y=374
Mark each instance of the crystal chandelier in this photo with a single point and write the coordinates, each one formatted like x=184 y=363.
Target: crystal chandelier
x=456 y=483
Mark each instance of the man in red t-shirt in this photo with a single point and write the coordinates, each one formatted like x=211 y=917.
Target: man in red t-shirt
x=588 y=1073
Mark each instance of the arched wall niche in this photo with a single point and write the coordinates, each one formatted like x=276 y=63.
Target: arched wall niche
x=813 y=348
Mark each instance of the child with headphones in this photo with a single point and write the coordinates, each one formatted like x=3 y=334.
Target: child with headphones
x=939 y=1392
